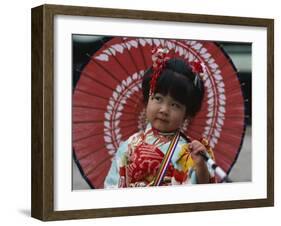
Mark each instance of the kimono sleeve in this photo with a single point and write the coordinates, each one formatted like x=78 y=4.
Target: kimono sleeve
x=113 y=177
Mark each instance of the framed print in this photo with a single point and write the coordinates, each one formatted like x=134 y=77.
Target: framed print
x=141 y=112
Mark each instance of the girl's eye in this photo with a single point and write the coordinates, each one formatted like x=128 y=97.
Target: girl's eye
x=176 y=105
x=157 y=98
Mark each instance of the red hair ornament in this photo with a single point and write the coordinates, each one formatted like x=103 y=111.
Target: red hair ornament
x=159 y=59
x=197 y=69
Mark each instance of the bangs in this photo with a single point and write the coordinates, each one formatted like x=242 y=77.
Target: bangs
x=175 y=85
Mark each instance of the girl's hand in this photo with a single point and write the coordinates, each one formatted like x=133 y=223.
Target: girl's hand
x=195 y=148
x=202 y=172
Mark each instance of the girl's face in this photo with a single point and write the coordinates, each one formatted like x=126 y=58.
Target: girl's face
x=165 y=113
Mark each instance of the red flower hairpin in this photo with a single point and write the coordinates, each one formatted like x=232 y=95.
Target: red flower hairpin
x=159 y=59
x=196 y=67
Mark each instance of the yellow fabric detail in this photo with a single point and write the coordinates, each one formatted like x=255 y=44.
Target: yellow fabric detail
x=185 y=161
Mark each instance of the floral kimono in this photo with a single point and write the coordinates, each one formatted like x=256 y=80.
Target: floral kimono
x=138 y=159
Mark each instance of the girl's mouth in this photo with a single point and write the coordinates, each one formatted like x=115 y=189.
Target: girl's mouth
x=162 y=120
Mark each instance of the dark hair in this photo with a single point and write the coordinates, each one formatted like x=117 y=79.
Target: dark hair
x=177 y=80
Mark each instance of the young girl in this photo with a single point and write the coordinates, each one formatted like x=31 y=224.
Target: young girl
x=162 y=155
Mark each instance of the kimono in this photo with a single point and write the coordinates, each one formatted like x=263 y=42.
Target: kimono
x=138 y=159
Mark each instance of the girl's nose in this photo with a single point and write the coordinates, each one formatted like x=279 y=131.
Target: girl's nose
x=164 y=109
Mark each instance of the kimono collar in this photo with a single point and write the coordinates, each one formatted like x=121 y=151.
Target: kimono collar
x=156 y=132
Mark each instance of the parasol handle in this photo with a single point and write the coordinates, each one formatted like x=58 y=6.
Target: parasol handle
x=218 y=171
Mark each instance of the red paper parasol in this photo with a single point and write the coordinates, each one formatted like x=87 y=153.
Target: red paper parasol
x=108 y=108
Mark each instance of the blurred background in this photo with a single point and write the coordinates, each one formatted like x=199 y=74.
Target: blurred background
x=241 y=56
x=239 y=53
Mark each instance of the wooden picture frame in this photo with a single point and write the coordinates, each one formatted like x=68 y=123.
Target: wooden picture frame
x=43 y=108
